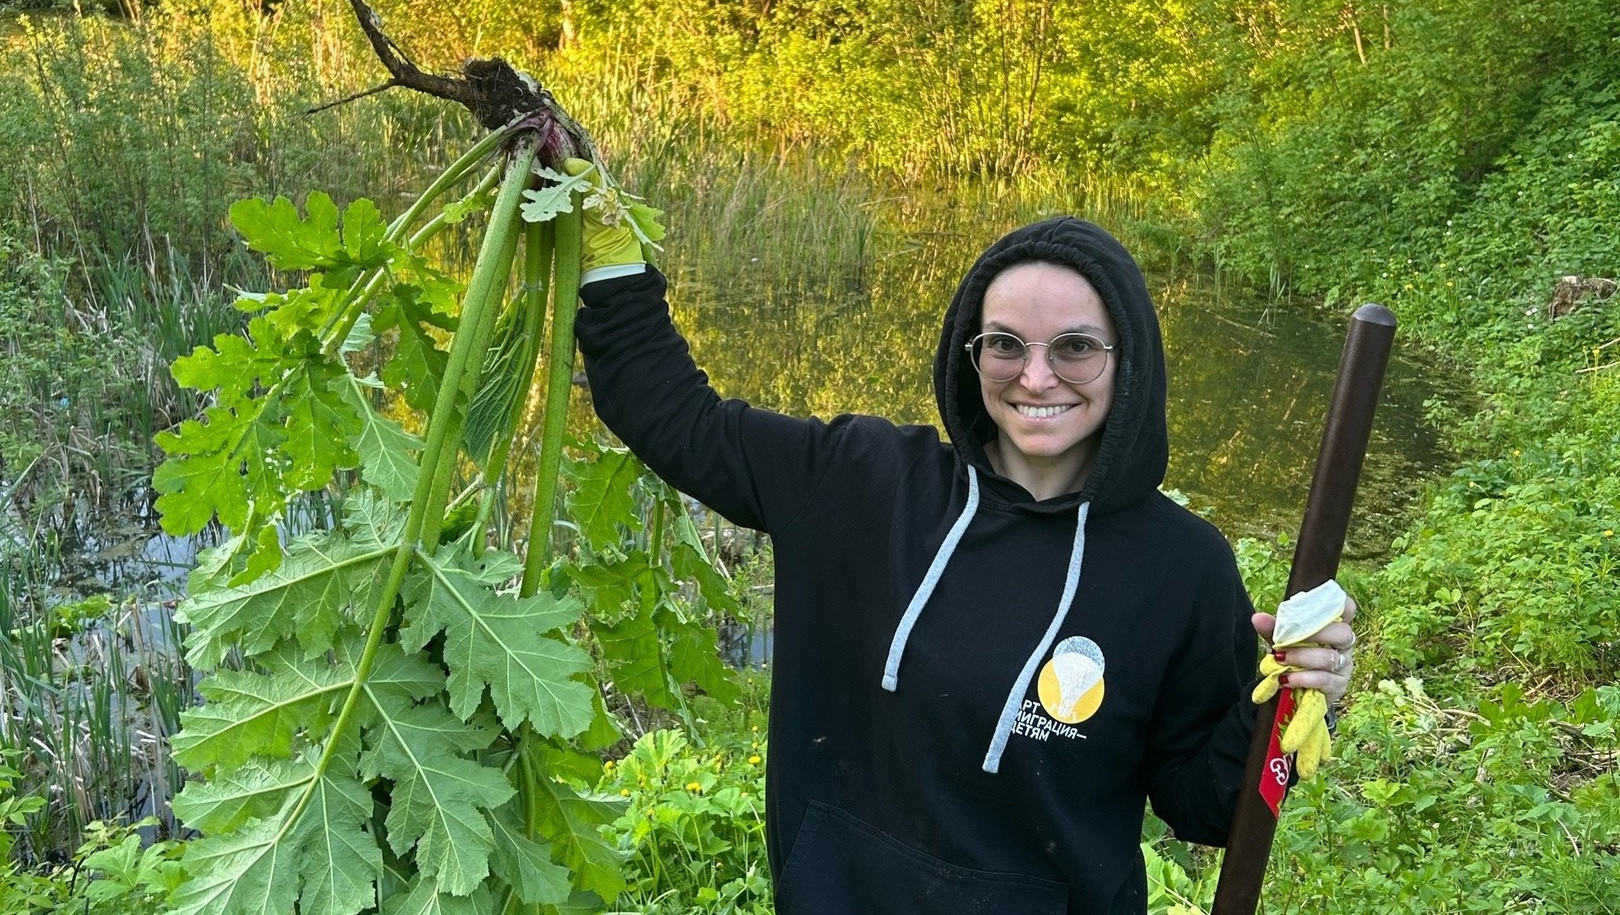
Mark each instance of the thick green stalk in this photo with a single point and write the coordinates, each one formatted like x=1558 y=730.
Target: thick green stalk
x=567 y=252
x=558 y=382
x=449 y=178
x=490 y=283
x=428 y=502
x=538 y=238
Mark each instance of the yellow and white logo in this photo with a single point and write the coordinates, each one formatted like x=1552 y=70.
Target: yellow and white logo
x=1071 y=683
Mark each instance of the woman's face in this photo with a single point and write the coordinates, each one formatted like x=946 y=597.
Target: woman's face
x=1046 y=422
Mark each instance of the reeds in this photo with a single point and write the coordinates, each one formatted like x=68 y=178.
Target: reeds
x=89 y=704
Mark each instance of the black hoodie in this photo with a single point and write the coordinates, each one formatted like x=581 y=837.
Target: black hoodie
x=973 y=692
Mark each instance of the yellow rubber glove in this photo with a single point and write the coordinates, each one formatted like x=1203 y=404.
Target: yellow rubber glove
x=609 y=241
x=1273 y=670
x=1307 y=732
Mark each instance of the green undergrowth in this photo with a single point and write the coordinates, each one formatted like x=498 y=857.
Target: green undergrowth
x=1476 y=759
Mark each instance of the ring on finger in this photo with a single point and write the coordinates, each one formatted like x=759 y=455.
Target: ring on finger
x=1338 y=662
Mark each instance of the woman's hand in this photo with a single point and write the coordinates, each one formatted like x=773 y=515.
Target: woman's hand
x=1327 y=666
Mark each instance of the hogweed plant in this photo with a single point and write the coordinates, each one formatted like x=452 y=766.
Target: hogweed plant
x=400 y=714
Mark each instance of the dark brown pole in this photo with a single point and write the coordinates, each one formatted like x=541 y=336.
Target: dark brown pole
x=1316 y=559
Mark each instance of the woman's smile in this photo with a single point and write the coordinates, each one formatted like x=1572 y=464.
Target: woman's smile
x=1036 y=412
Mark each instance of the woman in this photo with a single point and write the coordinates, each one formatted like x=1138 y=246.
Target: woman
x=989 y=652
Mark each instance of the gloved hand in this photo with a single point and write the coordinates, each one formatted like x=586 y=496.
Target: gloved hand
x=609 y=240
x=1303 y=622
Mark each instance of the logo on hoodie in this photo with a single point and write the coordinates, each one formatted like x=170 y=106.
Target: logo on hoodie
x=1071 y=683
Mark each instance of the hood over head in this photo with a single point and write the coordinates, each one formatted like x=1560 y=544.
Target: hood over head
x=1131 y=458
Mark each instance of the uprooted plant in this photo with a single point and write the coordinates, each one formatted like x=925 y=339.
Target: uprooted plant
x=396 y=704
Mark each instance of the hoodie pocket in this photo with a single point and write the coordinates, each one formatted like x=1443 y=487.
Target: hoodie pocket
x=841 y=866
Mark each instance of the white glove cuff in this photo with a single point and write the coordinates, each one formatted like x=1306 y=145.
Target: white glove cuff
x=611 y=272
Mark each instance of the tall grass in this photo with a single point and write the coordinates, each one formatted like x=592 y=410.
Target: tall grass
x=92 y=691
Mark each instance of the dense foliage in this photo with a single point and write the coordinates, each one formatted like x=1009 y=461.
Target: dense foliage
x=1451 y=158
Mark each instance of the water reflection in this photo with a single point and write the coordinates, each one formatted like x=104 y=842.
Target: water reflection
x=1249 y=383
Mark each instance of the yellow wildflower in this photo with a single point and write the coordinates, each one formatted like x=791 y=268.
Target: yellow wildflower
x=754 y=760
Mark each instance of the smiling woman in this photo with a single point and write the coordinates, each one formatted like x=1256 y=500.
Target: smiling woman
x=991 y=652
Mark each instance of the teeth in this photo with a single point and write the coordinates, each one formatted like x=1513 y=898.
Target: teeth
x=1042 y=412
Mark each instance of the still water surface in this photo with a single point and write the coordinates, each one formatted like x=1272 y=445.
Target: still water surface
x=1249 y=379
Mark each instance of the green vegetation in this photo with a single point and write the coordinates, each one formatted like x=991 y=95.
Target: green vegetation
x=1450 y=158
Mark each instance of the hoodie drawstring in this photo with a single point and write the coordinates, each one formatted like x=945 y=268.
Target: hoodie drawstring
x=908 y=621
x=897 y=647
x=1015 y=699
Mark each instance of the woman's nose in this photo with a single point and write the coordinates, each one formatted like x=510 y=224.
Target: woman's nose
x=1038 y=374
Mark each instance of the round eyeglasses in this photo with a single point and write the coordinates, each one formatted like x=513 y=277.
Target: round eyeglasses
x=1076 y=358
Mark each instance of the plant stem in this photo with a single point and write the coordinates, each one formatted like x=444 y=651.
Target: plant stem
x=566 y=252
x=428 y=500
x=558 y=382
x=447 y=179
x=488 y=290
x=537 y=252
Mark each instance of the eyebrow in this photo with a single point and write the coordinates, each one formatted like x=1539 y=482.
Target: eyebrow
x=1091 y=329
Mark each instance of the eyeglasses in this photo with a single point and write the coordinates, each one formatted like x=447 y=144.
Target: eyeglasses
x=1075 y=358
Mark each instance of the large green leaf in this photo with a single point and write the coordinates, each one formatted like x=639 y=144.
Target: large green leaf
x=320 y=425
x=498 y=641
x=341 y=860
x=292 y=242
x=222 y=466
x=280 y=424
x=250 y=714
x=600 y=502
x=418 y=363
x=254 y=871
x=424 y=898
x=694 y=655
x=524 y=864
x=635 y=655
x=616 y=588
x=233 y=796
x=573 y=822
x=439 y=798
x=385 y=449
x=236 y=365
x=309 y=309
x=311 y=594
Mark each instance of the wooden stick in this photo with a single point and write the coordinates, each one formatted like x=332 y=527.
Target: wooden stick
x=1316 y=559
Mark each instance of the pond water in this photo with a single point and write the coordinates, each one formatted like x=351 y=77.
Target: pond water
x=1249 y=379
